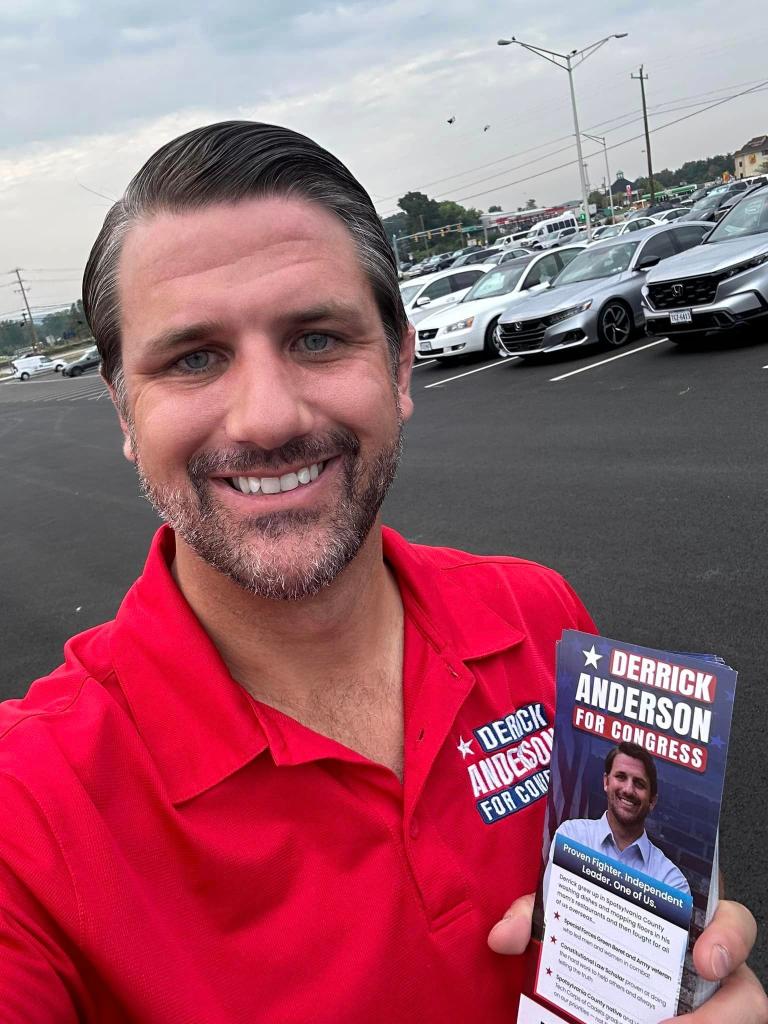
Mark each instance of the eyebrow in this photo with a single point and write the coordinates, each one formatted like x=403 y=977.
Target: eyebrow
x=205 y=329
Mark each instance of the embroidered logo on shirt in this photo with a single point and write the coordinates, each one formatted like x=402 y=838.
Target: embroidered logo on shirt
x=513 y=771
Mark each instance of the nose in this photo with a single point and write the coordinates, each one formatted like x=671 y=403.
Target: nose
x=266 y=405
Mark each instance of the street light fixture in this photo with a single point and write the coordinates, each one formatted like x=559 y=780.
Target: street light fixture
x=596 y=138
x=567 y=62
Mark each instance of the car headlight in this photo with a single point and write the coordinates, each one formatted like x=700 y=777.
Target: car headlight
x=460 y=325
x=756 y=261
x=571 y=311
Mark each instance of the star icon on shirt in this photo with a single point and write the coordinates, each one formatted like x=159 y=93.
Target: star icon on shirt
x=553 y=938
x=557 y=916
x=591 y=657
x=464 y=748
x=549 y=970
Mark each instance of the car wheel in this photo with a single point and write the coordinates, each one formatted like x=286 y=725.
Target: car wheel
x=491 y=346
x=75 y=371
x=24 y=376
x=614 y=325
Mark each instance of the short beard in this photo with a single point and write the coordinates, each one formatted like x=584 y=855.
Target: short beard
x=224 y=544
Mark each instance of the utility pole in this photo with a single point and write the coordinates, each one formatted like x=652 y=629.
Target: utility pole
x=35 y=341
x=643 y=79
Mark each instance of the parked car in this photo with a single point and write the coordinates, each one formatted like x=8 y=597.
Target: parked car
x=706 y=209
x=511 y=253
x=719 y=288
x=477 y=255
x=616 y=230
x=667 y=216
x=87 y=361
x=470 y=325
x=424 y=295
x=598 y=297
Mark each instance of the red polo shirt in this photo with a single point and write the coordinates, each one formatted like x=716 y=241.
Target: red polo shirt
x=173 y=851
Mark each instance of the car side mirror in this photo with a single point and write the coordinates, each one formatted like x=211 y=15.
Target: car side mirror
x=648 y=262
x=423 y=301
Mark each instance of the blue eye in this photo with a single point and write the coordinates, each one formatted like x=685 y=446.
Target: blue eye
x=195 y=362
x=317 y=342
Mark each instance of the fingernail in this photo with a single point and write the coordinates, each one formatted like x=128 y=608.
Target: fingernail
x=721 y=962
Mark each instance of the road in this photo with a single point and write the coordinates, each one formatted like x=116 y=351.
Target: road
x=641 y=476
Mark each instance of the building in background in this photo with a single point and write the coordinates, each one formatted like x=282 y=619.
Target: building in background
x=752 y=158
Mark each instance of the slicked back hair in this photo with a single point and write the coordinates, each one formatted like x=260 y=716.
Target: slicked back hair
x=226 y=163
x=639 y=753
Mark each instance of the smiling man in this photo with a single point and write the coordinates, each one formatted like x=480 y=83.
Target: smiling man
x=264 y=791
x=631 y=791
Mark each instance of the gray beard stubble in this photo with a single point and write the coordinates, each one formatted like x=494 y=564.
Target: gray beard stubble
x=223 y=544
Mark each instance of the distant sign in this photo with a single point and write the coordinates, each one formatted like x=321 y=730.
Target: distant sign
x=629 y=191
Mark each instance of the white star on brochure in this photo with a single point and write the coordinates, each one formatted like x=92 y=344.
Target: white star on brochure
x=464 y=747
x=591 y=657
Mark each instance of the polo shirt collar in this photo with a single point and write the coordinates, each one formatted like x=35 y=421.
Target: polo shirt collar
x=199 y=725
x=467 y=626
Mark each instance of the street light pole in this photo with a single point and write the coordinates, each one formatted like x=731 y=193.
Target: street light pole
x=596 y=138
x=567 y=62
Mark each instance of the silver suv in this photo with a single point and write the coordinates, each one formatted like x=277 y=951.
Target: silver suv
x=720 y=285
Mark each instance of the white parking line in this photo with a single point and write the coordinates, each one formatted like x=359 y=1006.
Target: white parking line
x=447 y=380
x=423 y=362
x=593 y=366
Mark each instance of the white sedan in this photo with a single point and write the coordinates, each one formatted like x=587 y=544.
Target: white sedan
x=470 y=325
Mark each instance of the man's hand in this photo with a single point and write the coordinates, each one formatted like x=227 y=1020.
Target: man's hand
x=719 y=955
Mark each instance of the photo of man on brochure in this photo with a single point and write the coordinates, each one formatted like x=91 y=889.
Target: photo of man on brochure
x=629 y=849
x=630 y=783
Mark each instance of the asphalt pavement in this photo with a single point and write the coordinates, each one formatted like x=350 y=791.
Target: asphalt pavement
x=640 y=475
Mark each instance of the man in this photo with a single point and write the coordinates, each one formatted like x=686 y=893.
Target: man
x=631 y=789
x=249 y=797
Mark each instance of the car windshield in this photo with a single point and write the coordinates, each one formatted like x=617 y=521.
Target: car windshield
x=496 y=282
x=409 y=290
x=705 y=204
x=610 y=231
x=602 y=261
x=748 y=217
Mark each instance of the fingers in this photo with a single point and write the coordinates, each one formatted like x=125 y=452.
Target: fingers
x=513 y=933
x=726 y=942
x=739 y=1000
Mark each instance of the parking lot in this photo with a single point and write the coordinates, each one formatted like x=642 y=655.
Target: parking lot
x=639 y=474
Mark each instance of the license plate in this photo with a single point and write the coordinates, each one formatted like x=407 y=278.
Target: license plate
x=681 y=316
x=425 y=346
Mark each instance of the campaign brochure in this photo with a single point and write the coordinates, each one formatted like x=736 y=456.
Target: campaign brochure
x=629 y=859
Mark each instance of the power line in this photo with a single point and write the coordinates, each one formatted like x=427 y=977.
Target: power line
x=624 y=142
x=654 y=111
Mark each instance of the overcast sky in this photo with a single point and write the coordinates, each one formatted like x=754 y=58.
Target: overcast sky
x=91 y=89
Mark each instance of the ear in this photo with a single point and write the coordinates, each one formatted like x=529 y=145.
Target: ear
x=404 y=370
x=605 y=782
x=653 y=803
x=128 y=450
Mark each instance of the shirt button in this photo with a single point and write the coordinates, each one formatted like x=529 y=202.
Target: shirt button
x=414 y=829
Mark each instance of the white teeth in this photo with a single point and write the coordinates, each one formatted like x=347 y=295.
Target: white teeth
x=274 y=484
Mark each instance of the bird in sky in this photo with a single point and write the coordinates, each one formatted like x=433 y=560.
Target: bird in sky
x=451 y=119
x=486 y=128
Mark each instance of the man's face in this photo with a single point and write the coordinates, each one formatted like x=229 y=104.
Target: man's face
x=628 y=791
x=255 y=360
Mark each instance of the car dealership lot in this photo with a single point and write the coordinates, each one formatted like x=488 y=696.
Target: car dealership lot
x=640 y=474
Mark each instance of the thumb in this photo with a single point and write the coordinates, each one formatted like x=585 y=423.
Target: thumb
x=513 y=932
